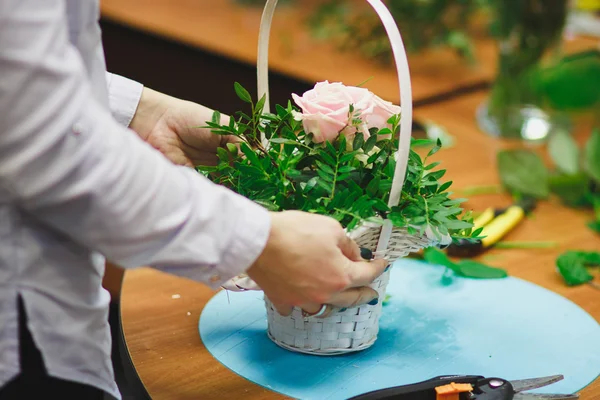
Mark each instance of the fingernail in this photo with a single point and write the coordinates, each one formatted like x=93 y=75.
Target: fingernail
x=366 y=253
x=374 y=301
x=386 y=269
x=343 y=309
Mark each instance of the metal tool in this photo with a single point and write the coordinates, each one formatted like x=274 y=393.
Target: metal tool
x=496 y=223
x=482 y=389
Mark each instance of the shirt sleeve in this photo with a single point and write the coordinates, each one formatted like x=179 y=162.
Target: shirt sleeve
x=66 y=161
x=123 y=97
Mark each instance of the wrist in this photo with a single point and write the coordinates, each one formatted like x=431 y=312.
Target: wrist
x=151 y=108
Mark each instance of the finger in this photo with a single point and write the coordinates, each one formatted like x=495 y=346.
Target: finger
x=355 y=297
x=349 y=248
x=347 y=299
x=362 y=273
x=282 y=308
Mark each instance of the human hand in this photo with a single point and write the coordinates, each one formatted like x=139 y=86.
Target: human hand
x=170 y=125
x=310 y=261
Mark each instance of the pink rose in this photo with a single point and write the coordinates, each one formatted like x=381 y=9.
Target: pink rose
x=325 y=111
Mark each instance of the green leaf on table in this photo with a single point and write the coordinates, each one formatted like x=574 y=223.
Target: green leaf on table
x=476 y=270
x=564 y=152
x=571 y=265
x=523 y=172
x=592 y=155
x=242 y=93
x=465 y=269
x=437 y=257
x=572 y=189
x=590 y=258
x=594 y=225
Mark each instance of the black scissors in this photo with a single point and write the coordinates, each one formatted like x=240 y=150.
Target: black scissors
x=483 y=389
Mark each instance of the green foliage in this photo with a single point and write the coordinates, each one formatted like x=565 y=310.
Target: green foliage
x=575 y=180
x=464 y=268
x=523 y=172
x=572 y=266
x=349 y=181
x=424 y=24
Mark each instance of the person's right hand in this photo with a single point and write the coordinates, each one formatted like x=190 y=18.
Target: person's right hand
x=309 y=261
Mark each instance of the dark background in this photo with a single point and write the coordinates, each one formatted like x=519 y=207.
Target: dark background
x=186 y=72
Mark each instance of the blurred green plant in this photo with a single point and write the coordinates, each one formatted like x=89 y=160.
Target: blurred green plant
x=527 y=31
x=575 y=177
x=424 y=24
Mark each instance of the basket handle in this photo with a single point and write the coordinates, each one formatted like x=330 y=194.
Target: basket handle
x=404 y=84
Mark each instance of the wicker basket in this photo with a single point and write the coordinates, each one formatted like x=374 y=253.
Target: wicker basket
x=356 y=328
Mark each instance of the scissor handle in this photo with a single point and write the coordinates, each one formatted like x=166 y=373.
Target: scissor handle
x=494 y=389
x=420 y=391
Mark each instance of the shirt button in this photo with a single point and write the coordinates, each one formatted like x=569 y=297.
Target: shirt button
x=215 y=278
x=77 y=129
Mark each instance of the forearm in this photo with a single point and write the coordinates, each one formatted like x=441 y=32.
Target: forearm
x=64 y=160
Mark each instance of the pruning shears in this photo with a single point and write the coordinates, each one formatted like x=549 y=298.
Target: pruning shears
x=496 y=223
x=469 y=387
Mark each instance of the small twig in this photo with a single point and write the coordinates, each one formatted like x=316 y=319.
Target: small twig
x=365 y=81
x=594 y=285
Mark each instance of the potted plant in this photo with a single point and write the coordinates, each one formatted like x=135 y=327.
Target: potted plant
x=344 y=152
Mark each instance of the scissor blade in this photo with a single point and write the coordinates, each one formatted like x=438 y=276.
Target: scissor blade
x=534 y=383
x=541 y=396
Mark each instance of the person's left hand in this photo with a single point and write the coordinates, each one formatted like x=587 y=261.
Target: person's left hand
x=170 y=125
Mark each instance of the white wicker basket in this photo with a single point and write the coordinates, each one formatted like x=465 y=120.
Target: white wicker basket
x=354 y=328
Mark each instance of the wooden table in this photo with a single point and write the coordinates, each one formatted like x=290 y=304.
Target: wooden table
x=231 y=30
x=160 y=312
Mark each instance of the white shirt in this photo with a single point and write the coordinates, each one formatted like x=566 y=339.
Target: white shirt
x=75 y=183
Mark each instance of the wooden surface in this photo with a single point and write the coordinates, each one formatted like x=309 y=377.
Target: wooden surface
x=222 y=27
x=161 y=330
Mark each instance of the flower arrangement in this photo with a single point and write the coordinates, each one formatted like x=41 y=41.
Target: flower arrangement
x=332 y=153
x=343 y=152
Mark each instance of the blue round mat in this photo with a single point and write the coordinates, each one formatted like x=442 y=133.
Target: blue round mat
x=507 y=328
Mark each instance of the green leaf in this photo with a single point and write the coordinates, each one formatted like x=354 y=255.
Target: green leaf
x=523 y=172
x=223 y=154
x=435 y=256
x=370 y=143
x=435 y=148
x=594 y=225
x=250 y=155
x=591 y=258
x=284 y=141
x=242 y=93
x=326 y=168
x=258 y=108
x=216 y=117
x=444 y=186
x=421 y=142
x=281 y=112
x=358 y=142
x=572 y=268
x=564 y=152
x=432 y=165
x=572 y=189
x=325 y=185
x=476 y=270
x=232 y=148
x=592 y=155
